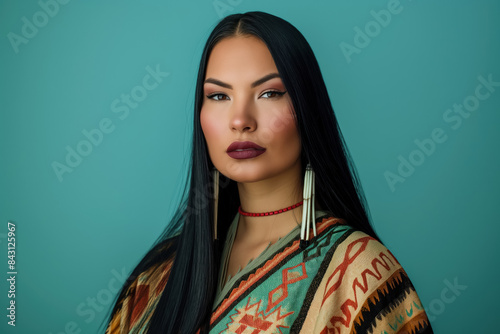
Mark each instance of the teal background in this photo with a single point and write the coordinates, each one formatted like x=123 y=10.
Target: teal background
x=76 y=236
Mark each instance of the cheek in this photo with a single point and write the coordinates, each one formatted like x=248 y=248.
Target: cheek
x=211 y=128
x=291 y=134
x=284 y=130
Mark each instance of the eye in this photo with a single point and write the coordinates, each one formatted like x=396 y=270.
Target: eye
x=218 y=97
x=272 y=94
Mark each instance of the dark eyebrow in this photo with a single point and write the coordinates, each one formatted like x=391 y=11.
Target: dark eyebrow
x=264 y=79
x=254 y=84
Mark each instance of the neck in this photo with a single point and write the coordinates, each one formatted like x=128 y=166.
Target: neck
x=271 y=194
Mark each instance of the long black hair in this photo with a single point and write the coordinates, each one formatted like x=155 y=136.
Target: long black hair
x=186 y=302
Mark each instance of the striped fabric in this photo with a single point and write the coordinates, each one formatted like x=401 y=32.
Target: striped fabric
x=343 y=282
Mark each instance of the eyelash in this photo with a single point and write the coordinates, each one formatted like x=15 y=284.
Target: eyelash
x=278 y=93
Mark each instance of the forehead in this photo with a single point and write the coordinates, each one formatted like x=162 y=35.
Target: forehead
x=240 y=57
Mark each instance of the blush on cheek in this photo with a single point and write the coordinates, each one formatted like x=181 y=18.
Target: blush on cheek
x=287 y=128
x=214 y=135
x=283 y=123
x=208 y=125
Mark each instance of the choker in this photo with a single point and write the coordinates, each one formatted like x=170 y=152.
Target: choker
x=269 y=213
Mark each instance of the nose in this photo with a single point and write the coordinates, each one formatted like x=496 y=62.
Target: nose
x=243 y=116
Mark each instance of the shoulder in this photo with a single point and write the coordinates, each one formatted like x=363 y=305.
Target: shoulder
x=364 y=288
x=352 y=250
x=134 y=308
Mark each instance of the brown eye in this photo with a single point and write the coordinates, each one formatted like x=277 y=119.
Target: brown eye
x=272 y=94
x=218 y=97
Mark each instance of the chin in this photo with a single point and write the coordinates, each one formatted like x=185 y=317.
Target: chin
x=246 y=173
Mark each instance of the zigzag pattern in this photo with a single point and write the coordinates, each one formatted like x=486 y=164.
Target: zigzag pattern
x=396 y=290
x=349 y=303
x=340 y=271
x=317 y=246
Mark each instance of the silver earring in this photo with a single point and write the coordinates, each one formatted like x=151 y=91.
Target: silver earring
x=215 y=174
x=308 y=211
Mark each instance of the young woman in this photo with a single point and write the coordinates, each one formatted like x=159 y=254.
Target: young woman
x=273 y=235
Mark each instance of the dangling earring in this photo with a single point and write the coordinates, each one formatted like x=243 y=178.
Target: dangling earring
x=215 y=174
x=308 y=211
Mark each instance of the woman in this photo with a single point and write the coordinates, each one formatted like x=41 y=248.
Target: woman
x=239 y=256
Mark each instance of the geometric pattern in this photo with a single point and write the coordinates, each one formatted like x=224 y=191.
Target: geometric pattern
x=317 y=246
x=289 y=276
x=353 y=281
x=248 y=320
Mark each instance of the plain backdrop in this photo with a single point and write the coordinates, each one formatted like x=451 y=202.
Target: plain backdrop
x=397 y=83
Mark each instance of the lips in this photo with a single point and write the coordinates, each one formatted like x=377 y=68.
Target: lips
x=244 y=150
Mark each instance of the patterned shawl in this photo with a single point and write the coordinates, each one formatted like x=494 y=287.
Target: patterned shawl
x=344 y=282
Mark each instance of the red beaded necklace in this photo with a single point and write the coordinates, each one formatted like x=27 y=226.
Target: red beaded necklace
x=270 y=213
